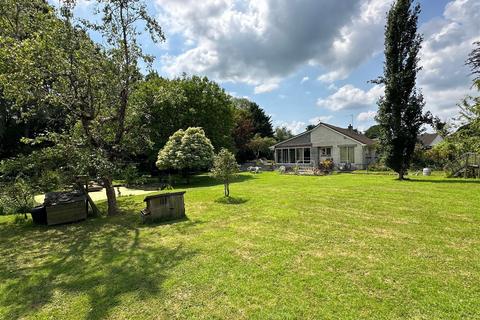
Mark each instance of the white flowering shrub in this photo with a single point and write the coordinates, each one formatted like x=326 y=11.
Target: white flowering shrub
x=186 y=150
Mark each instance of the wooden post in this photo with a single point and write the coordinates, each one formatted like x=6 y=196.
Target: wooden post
x=86 y=191
x=89 y=199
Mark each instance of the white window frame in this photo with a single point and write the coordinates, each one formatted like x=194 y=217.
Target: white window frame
x=350 y=154
x=288 y=160
x=325 y=154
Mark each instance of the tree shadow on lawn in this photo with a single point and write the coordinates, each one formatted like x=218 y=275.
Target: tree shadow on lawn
x=204 y=180
x=447 y=181
x=102 y=258
x=231 y=200
x=197 y=181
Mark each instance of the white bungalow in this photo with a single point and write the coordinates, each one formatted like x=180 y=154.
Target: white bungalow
x=346 y=147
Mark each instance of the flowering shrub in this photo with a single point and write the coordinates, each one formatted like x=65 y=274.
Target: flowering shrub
x=327 y=165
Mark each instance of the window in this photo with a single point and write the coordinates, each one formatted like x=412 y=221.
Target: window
x=347 y=154
x=326 y=151
x=291 y=159
x=279 y=156
x=306 y=155
x=300 y=154
x=285 y=155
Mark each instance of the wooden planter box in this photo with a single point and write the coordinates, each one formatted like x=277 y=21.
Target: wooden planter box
x=164 y=207
x=65 y=207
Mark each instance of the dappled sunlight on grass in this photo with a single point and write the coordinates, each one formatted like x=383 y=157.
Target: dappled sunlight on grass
x=283 y=246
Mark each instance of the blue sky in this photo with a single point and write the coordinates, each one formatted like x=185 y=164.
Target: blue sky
x=309 y=60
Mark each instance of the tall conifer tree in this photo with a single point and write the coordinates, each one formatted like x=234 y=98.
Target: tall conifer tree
x=400 y=113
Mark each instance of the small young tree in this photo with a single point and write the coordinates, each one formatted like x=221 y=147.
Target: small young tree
x=260 y=144
x=400 y=110
x=186 y=150
x=225 y=168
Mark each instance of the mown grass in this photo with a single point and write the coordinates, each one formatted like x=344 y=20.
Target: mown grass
x=341 y=246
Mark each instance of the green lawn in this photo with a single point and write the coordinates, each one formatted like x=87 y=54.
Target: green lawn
x=342 y=246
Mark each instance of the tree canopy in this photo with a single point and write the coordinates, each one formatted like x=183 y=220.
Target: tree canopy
x=282 y=134
x=185 y=102
x=374 y=131
x=92 y=83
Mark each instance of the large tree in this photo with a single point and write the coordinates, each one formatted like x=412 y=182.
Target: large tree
x=119 y=21
x=250 y=120
x=27 y=29
x=243 y=132
x=400 y=113
x=180 y=103
x=262 y=123
x=93 y=82
x=283 y=133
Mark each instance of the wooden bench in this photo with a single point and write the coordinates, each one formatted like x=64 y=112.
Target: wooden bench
x=164 y=207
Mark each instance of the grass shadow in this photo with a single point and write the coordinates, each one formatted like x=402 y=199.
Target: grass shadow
x=204 y=180
x=102 y=259
x=446 y=181
x=231 y=200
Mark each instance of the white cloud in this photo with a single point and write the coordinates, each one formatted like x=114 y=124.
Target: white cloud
x=83 y=3
x=332 y=86
x=295 y=126
x=319 y=119
x=265 y=87
x=304 y=79
x=366 y=116
x=358 y=41
x=350 y=97
x=252 y=41
x=444 y=78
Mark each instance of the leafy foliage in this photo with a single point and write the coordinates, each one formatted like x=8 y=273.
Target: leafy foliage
x=374 y=131
x=250 y=120
x=282 y=134
x=467 y=136
x=400 y=111
x=225 y=168
x=185 y=102
x=55 y=63
x=260 y=144
x=262 y=123
x=16 y=196
x=186 y=150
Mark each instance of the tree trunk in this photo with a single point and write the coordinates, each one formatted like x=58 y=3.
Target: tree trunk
x=227 y=189
x=401 y=175
x=111 y=197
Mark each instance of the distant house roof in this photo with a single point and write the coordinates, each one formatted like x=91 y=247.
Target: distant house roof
x=426 y=139
x=303 y=139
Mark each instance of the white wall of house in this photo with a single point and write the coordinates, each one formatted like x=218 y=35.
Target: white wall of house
x=325 y=137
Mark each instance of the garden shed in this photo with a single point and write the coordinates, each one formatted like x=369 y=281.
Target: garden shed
x=164 y=207
x=61 y=207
